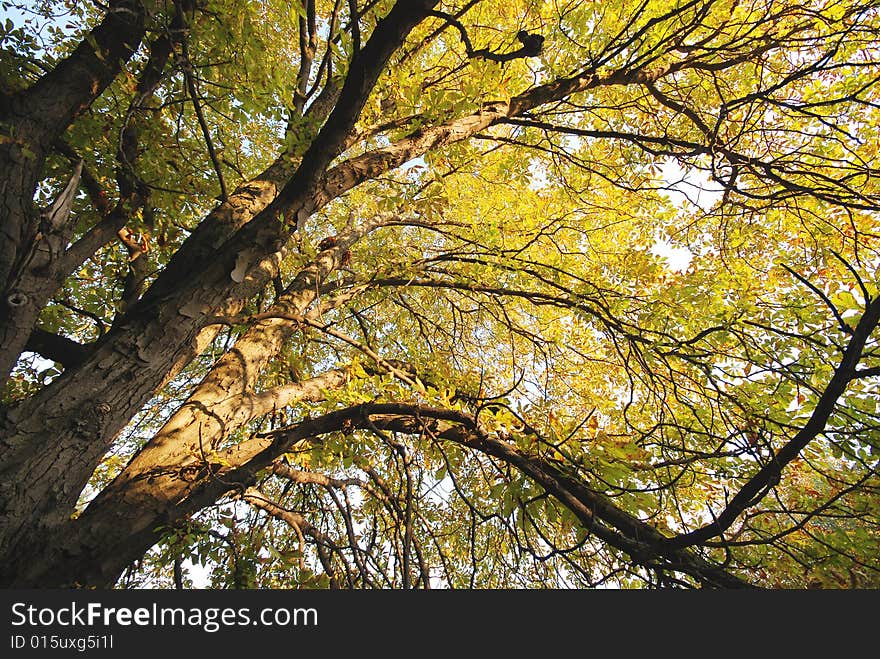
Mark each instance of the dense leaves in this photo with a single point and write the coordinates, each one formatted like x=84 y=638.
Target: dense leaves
x=456 y=294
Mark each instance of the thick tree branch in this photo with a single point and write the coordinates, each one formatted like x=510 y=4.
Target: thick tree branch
x=265 y=234
x=39 y=275
x=363 y=73
x=66 y=352
x=223 y=401
x=354 y=171
x=311 y=478
x=308 y=44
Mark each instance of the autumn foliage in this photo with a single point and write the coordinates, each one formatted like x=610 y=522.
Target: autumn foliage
x=432 y=294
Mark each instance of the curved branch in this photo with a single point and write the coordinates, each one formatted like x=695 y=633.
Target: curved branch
x=759 y=484
x=531 y=43
x=613 y=525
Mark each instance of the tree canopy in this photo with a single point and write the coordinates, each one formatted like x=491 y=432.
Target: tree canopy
x=423 y=294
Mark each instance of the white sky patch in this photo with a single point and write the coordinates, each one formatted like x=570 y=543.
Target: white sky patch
x=37 y=361
x=538 y=174
x=415 y=162
x=199 y=574
x=689 y=186
x=685 y=188
x=677 y=258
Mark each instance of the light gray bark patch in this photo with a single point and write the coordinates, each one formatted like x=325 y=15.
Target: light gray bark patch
x=242 y=262
x=193 y=309
x=59 y=212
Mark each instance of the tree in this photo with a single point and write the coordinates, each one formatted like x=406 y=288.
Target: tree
x=380 y=294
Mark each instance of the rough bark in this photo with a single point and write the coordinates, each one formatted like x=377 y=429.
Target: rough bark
x=85 y=423
x=148 y=493
x=129 y=517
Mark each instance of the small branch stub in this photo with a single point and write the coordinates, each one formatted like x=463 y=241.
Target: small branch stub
x=17 y=299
